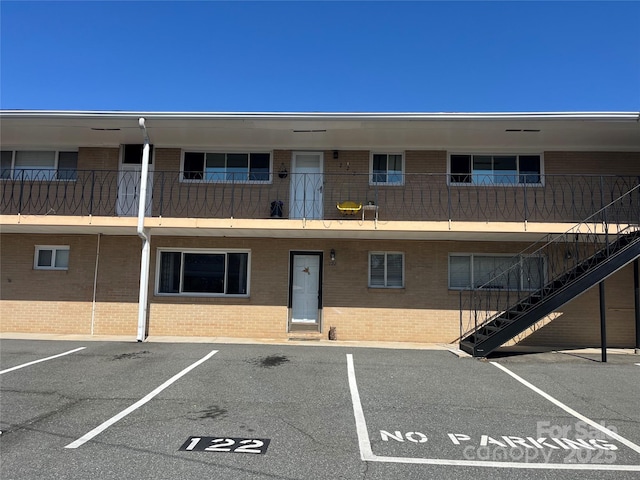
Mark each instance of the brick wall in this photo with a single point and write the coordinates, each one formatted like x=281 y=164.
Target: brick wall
x=424 y=311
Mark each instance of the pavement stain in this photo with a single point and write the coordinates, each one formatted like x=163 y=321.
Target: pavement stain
x=212 y=412
x=130 y=356
x=271 y=361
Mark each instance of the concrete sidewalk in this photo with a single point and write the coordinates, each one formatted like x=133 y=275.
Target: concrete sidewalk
x=453 y=348
x=229 y=340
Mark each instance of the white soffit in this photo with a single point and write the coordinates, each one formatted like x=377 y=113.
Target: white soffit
x=619 y=131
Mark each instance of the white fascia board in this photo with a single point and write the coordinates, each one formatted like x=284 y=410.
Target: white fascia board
x=616 y=116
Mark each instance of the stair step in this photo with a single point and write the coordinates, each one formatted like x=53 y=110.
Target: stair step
x=305 y=336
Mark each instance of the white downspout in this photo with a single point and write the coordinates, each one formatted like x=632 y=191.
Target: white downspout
x=145 y=236
x=95 y=285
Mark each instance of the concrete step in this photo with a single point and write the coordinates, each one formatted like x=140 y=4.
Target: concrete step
x=305 y=336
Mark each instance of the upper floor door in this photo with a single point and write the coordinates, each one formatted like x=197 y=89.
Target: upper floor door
x=129 y=181
x=307 y=183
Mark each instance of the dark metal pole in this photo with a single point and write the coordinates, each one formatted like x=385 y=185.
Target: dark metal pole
x=636 y=288
x=603 y=329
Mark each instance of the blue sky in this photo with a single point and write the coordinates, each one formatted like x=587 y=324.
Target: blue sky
x=320 y=56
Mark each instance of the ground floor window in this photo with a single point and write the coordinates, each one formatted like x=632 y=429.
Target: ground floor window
x=49 y=257
x=386 y=270
x=203 y=272
x=471 y=271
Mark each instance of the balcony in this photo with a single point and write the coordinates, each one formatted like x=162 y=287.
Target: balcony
x=418 y=197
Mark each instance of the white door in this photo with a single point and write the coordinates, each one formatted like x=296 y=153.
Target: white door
x=129 y=186
x=305 y=288
x=306 y=185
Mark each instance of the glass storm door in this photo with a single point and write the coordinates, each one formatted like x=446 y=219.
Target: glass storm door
x=305 y=291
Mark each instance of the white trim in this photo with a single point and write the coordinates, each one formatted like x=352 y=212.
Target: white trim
x=402 y=167
x=54 y=252
x=204 y=251
x=632 y=116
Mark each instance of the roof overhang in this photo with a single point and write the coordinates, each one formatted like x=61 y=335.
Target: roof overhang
x=543 y=131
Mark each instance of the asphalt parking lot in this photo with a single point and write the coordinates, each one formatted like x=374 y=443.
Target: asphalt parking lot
x=161 y=410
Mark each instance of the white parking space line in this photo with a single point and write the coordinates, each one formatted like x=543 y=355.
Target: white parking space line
x=366 y=452
x=41 y=360
x=99 y=429
x=570 y=410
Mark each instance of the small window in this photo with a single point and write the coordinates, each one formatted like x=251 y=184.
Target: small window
x=132 y=154
x=67 y=165
x=51 y=258
x=227 y=167
x=387 y=169
x=495 y=169
x=497 y=272
x=386 y=270
x=210 y=272
x=6 y=159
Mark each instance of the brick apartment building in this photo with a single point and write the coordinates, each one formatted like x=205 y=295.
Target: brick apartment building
x=391 y=227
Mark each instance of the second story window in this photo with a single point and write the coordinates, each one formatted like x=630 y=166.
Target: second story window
x=227 y=167
x=496 y=169
x=387 y=169
x=38 y=165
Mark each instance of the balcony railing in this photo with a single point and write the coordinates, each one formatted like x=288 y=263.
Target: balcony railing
x=420 y=197
x=562 y=258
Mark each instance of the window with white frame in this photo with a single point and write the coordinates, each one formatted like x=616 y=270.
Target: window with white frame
x=495 y=169
x=38 y=165
x=48 y=257
x=203 y=272
x=386 y=269
x=227 y=167
x=502 y=272
x=387 y=168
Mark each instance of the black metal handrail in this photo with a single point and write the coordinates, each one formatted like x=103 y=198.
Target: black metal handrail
x=563 y=256
x=419 y=197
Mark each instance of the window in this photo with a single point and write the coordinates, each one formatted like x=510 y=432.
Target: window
x=38 y=165
x=496 y=169
x=227 y=167
x=386 y=270
x=467 y=271
x=387 y=168
x=51 y=257
x=132 y=154
x=208 y=272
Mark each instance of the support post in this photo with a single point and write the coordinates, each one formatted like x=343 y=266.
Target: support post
x=603 y=328
x=636 y=289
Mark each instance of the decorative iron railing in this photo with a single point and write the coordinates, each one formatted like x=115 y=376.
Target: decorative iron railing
x=560 y=258
x=419 y=197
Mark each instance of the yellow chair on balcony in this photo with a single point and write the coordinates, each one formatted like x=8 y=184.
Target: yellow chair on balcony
x=349 y=208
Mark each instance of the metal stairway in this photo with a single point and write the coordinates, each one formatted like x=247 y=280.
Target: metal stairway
x=574 y=261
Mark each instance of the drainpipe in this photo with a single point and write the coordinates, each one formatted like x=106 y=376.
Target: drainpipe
x=145 y=235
